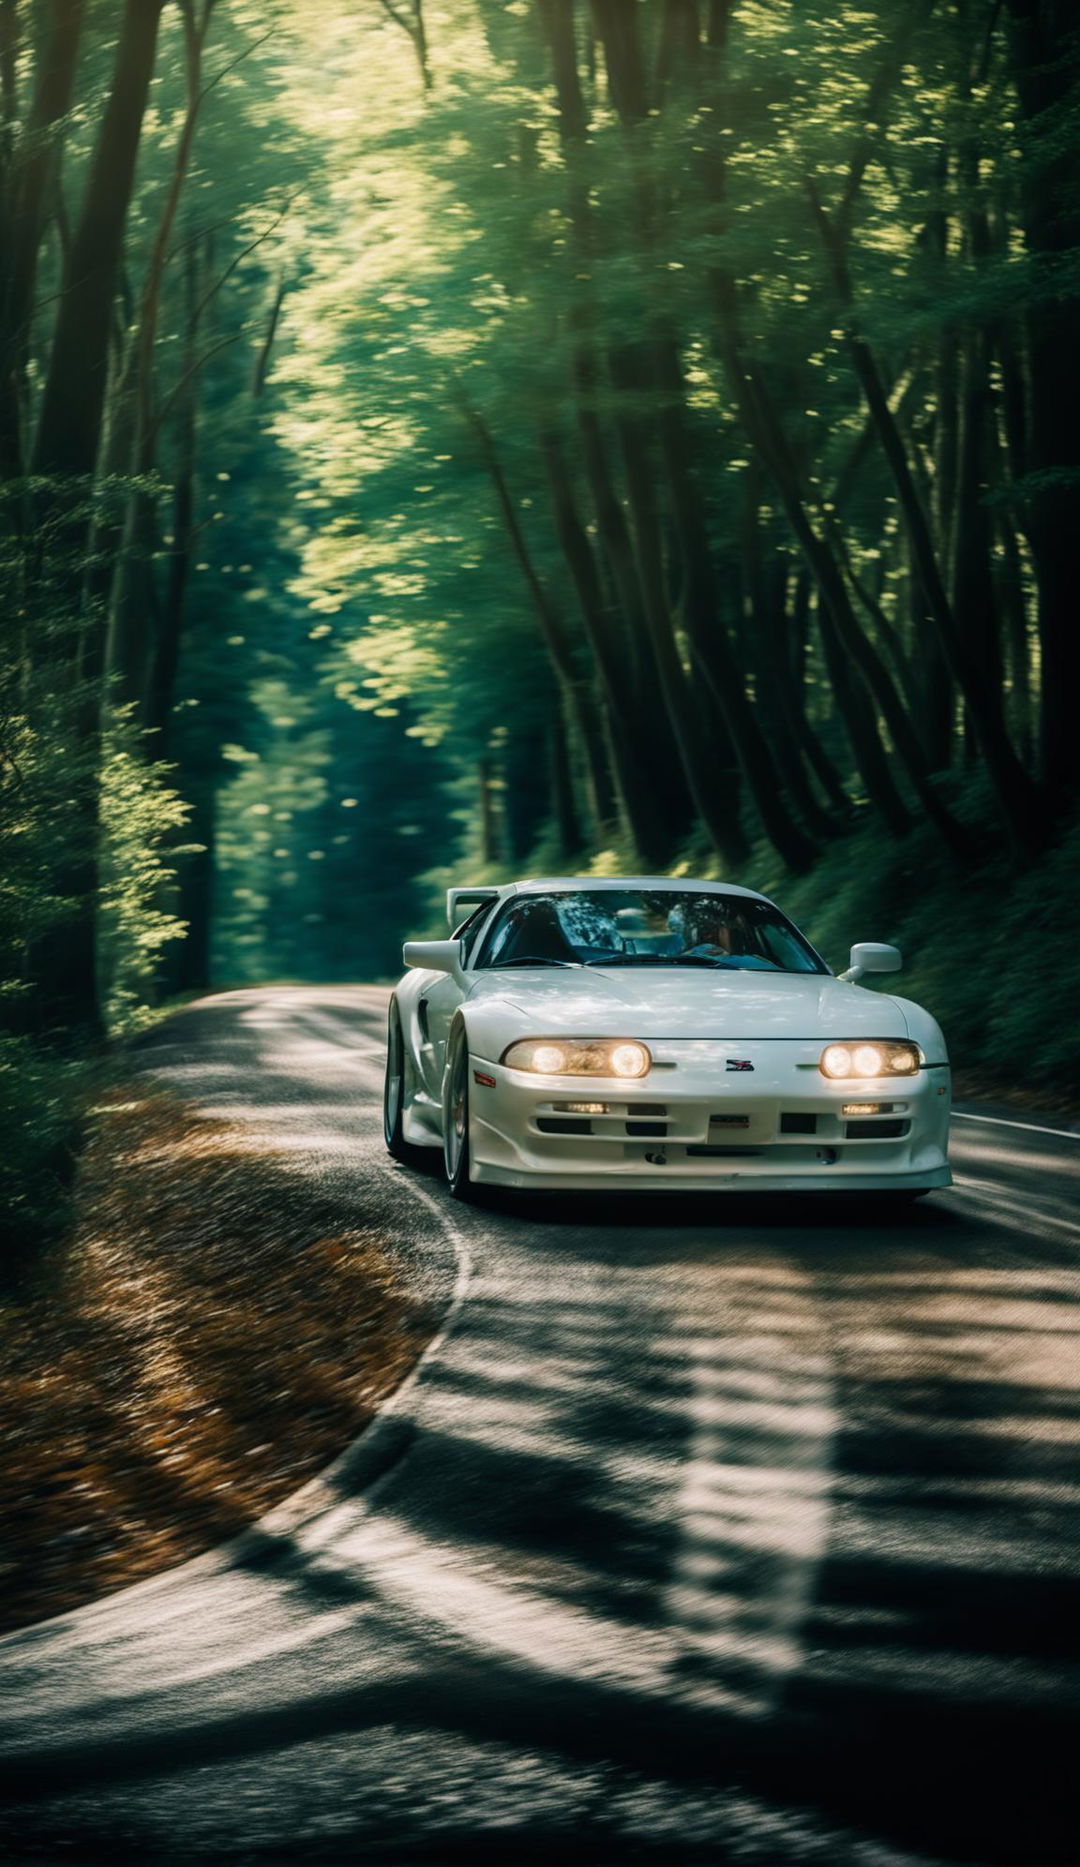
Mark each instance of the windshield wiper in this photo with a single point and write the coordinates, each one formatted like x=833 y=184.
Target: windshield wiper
x=626 y=959
x=531 y=959
x=663 y=959
x=731 y=961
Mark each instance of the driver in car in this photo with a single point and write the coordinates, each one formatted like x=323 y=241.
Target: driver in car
x=710 y=938
x=727 y=941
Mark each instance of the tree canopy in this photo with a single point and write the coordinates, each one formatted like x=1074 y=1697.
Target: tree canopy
x=575 y=433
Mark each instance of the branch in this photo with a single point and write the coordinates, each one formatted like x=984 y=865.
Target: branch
x=874 y=116
x=886 y=628
x=178 y=388
x=262 y=358
x=415 y=31
x=398 y=18
x=243 y=254
x=150 y=303
x=212 y=83
x=845 y=479
x=550 y=624
x=201 y=233
x=980 y=69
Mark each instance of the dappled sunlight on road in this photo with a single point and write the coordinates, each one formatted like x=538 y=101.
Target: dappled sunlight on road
x=721 y=1501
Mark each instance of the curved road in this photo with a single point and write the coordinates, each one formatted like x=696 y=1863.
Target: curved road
x=715 y=1530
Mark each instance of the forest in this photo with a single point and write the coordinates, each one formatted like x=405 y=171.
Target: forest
x=453 y=439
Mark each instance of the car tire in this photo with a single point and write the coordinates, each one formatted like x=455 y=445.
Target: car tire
x=457 y=1153
x=394 y=1093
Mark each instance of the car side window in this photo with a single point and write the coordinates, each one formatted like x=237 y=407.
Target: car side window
x=526 y=928
x=498 y=931
x=470 y=930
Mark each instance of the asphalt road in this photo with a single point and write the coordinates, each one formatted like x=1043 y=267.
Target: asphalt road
x=713 y=1530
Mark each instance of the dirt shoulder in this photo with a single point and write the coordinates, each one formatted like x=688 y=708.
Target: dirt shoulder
x=213 y=1333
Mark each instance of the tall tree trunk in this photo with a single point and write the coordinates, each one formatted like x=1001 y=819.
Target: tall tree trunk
x=652 y=370
x=564 y=807
x=1011 y=583
x=9 y=60
x=1017 y=796
x=133 y=604
x=629 y=734
x=842 y=634
x=638 y=646
x=30 y=183
x=165 y=655
x=717 y=812
x=817 y=758
x=764 y=603
x=936 y=722
x=765 y=434
x=490 y=838
x=69 y=427
x=576 y=699
x=842 y=631
x=1045 y=57
x=63 y=964
x=658 y=806
x=935 y=685
x=536 y=770
x=973 y=596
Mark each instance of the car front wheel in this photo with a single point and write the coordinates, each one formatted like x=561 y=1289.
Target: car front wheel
x=394 y=1091
x=456 y=1149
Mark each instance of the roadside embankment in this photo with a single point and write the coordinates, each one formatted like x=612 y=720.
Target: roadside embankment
x=992 y=953
x=212 y=1331
x=991 y=950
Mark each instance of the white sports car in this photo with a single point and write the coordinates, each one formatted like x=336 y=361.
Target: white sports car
x=660 y=1034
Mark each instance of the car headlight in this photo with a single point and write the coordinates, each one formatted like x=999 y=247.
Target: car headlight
x=579 y=1056
x=881 y=1058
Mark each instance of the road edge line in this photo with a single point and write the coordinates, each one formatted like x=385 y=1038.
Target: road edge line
x=267 y=1533
x=1002 y=1121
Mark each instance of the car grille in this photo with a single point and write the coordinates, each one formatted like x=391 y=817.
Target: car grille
x=789 y=1139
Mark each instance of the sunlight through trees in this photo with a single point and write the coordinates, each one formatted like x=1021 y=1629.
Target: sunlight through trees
x=627 y=433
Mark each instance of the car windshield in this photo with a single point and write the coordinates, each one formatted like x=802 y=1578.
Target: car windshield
x=645 y=927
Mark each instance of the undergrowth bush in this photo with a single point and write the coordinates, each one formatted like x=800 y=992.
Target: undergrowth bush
x=44 y=1076
x=993 y=954
x=41 y=1096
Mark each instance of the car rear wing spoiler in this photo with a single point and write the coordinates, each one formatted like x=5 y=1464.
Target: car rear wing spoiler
x=472 y=897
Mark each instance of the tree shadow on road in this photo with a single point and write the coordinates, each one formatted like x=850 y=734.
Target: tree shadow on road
x=730 y=1503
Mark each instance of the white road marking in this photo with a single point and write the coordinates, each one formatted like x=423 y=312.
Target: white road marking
x=194 y=1622
x=1029 y=1127
x=752 y=1534
x=316 y=1497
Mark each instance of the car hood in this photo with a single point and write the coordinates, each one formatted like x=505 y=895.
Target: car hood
x=689 y=1003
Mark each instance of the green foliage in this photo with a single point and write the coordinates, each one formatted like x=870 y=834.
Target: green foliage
x=996 y=961
x=446 y=419
x=140 y=817
x=40 y=1091
x=41 y=1100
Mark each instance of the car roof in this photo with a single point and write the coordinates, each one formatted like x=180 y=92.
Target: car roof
x=551 y=884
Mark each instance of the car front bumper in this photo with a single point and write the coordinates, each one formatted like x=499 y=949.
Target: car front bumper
x=775 y=1123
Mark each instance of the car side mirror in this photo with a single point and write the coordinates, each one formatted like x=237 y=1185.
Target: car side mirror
x=433 y=955
x=871 y=956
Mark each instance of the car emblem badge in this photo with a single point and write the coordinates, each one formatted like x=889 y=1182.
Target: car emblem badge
x=738 y=1063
